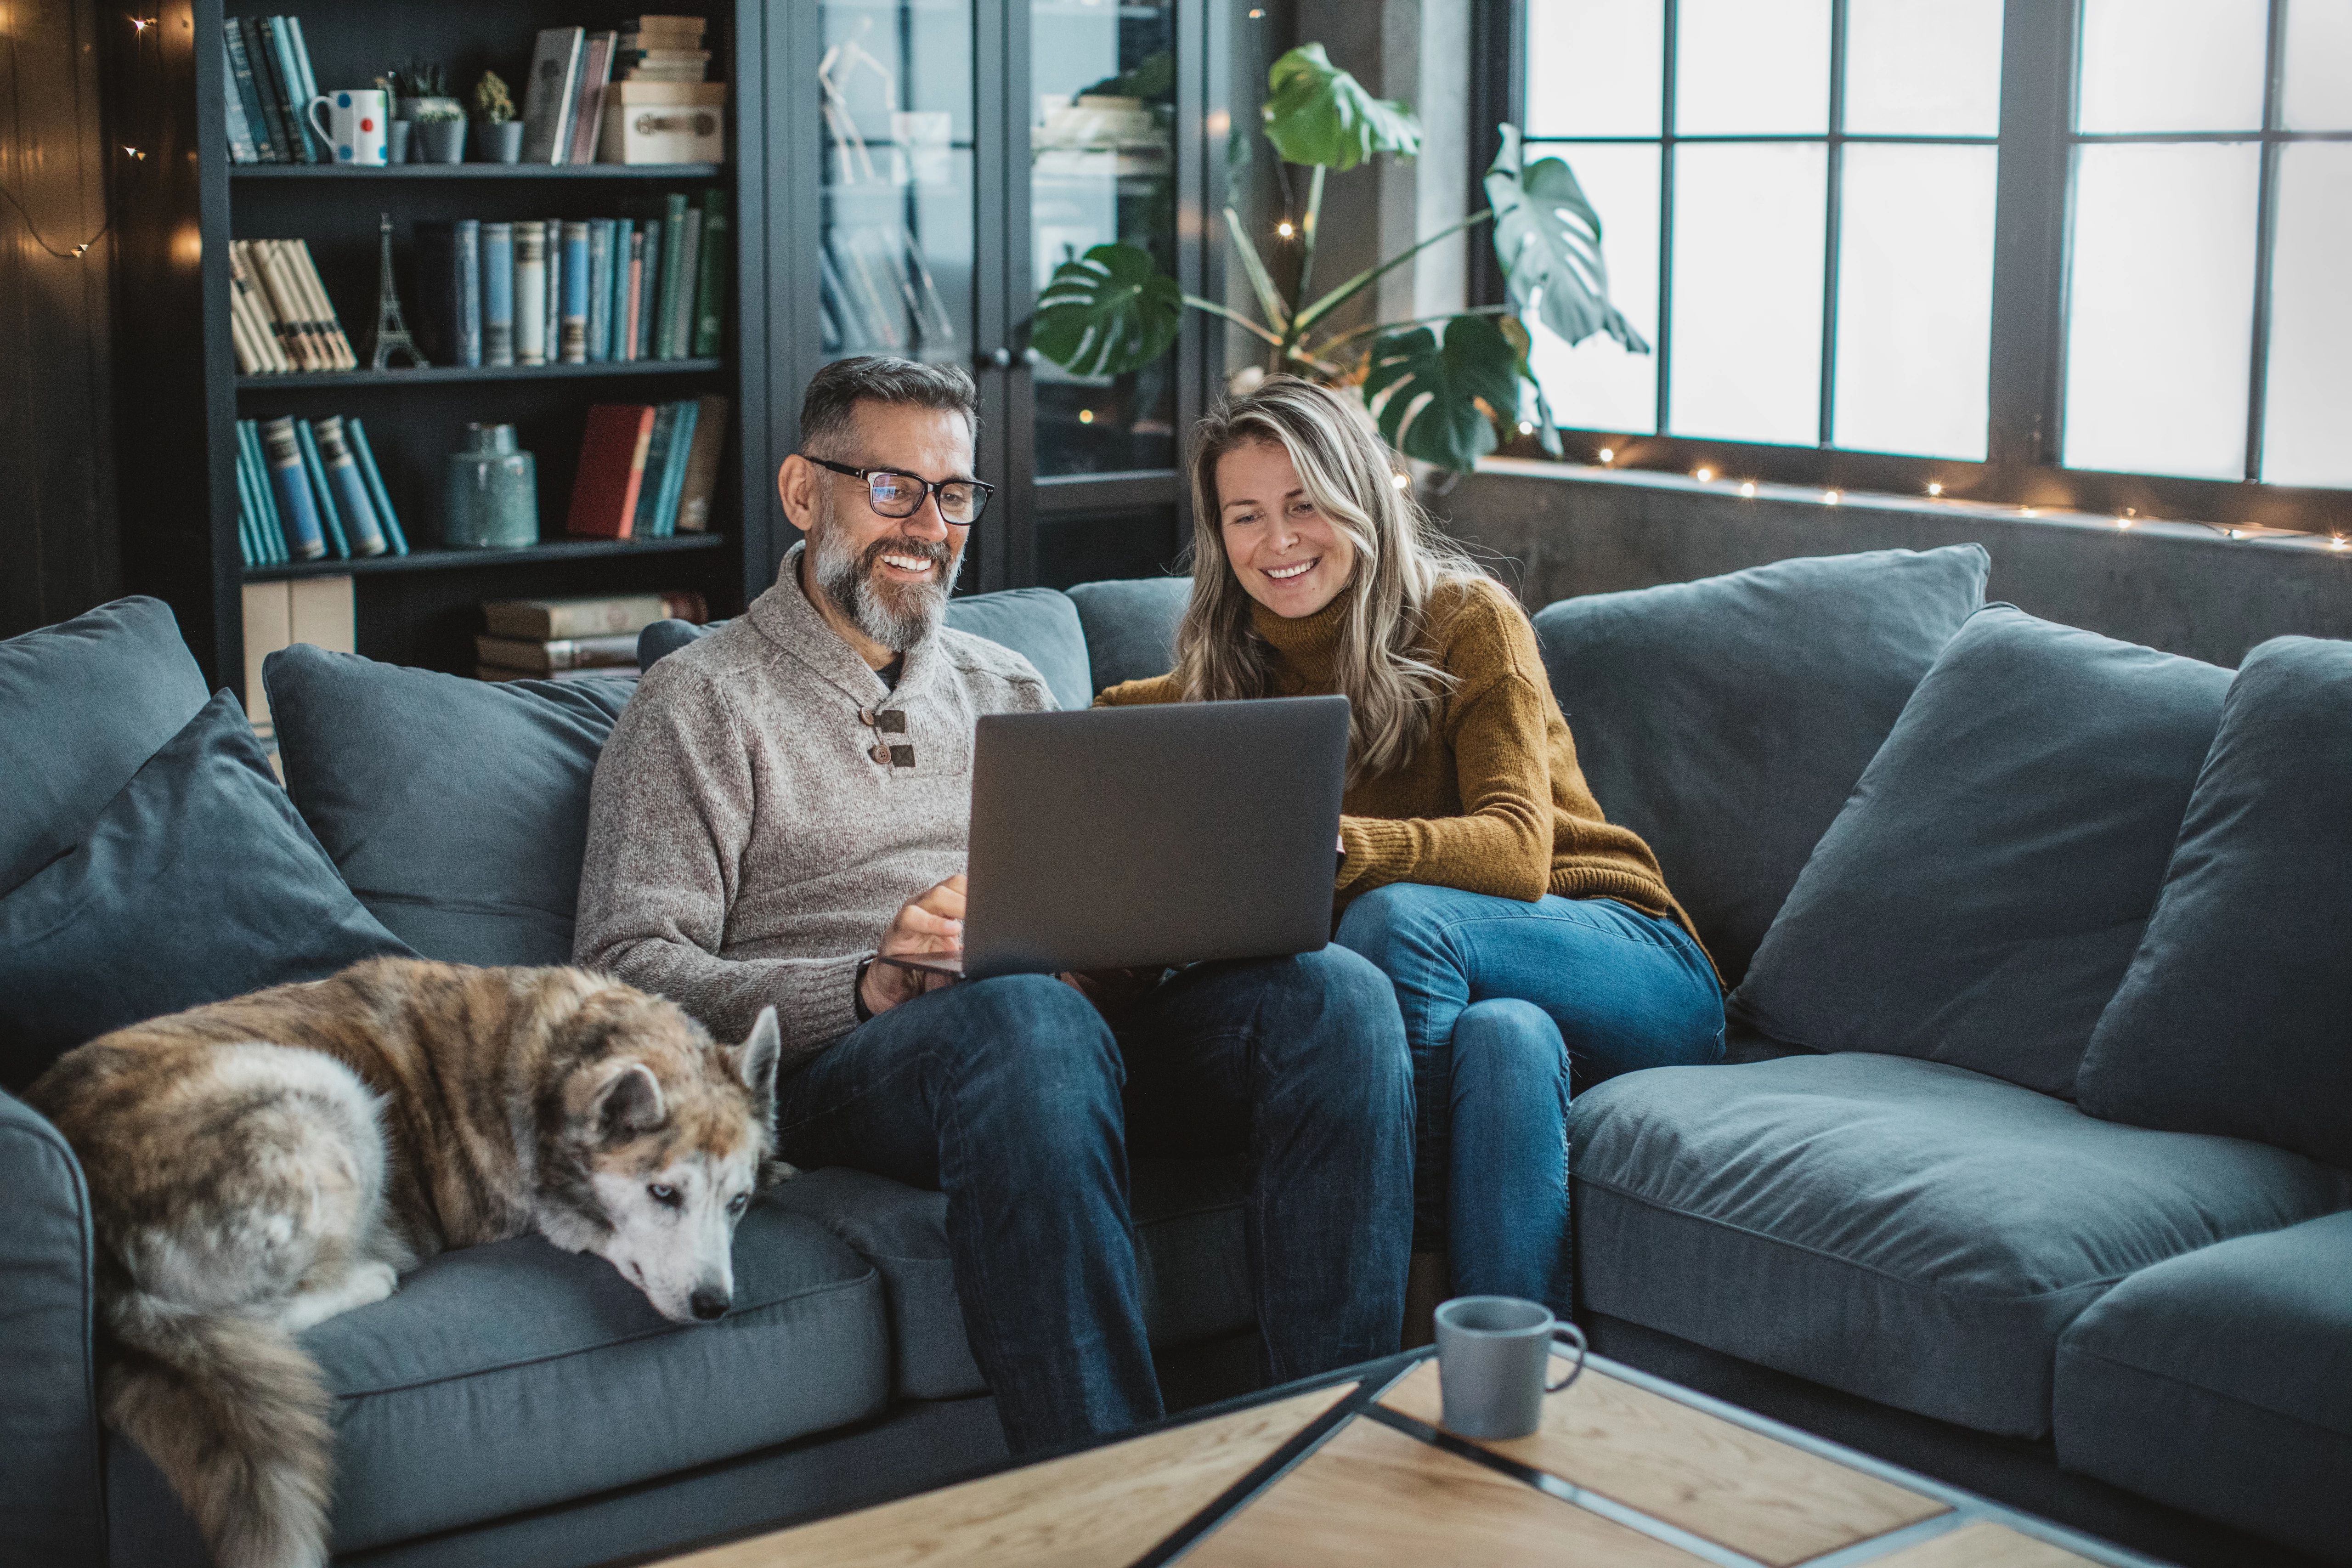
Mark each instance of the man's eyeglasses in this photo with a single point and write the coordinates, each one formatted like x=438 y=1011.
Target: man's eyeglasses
x=894 y=494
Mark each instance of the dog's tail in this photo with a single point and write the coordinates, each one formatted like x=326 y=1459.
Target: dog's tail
x=234 y=1415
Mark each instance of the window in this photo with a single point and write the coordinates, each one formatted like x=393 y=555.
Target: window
x=2070 y=254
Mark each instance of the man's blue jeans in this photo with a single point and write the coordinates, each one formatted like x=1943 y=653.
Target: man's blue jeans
x=1014 y=1097
x=1502 y=1002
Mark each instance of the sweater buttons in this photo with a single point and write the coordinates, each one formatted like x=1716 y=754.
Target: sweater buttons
x=865 y=716
x=880 y=754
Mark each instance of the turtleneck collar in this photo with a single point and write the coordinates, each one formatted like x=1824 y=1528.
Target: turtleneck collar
x=1307 y=643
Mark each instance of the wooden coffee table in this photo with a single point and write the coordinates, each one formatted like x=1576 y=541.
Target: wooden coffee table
x=1353 y=1469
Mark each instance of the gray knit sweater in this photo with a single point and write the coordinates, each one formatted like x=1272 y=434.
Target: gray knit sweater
x=748 y=843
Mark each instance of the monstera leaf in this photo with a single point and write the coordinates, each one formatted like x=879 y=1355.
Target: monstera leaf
x=1548 y=238
x=1427 y=396
x=1111 y=311
x=1319 y=114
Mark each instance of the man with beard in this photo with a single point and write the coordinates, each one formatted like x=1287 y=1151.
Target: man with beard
x=787 y=798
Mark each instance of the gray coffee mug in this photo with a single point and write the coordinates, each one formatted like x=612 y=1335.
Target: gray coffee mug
x=1492 y=1354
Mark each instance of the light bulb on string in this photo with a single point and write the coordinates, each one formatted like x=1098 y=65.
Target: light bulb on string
x=1284 y=228
x=1607 y=455
x=1830 y=498
x=1747 y=487
x=1703 y=474
x=1935 y=487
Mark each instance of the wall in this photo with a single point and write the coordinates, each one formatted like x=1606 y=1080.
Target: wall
x=58 y=553
x=2175 y=586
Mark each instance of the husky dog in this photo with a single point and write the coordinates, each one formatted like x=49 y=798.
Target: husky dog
x=260 y=1164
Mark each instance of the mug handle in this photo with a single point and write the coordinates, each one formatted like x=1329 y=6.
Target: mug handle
x=1568 y=1333
x=311 y=114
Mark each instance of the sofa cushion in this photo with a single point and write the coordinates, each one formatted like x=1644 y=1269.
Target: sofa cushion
x=1979 y=899
x=1726 y=721
x=1188 y=1221
x=197 y=882
x=2233 y=1018
x=515 y=1375
x=1908 y=1231
x=457 y=810
x=2221 y=1382
x=83 y=705
x=1131 y=626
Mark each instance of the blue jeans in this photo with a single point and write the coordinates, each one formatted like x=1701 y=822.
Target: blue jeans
x=1014 y=1097
x=1504 y=1003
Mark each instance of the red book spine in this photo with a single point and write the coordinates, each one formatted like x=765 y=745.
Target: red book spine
x=612 y=469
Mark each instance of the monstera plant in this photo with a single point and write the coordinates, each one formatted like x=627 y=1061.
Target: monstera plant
x=1441 y=388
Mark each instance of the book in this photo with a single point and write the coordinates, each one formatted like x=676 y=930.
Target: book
x=449 y=290
x=675 y=272
x=298 y=513
x=601 y=652
x=250 y=546
x=574 y=317
x=498 y=294
x=544 y=620
x=493 y=672
x=547 y=98
x=681 y=442
x=241 y=148
x=269 y=88
x=530 y=293
x=649 y=288
x=253 y=328
x=552 y=232
x=323 y=310
x=611 y=472
x=278 y=38
x=273 y=529
x=618 y=344
x=600 y=290
x=646 y=520
x=306 y=82
x=710 y=313
x=361 y=530
x=393 y=538
x=330 y=516
x=701 y=482
x=246 y=93
x=588 y=97
x=305 y=344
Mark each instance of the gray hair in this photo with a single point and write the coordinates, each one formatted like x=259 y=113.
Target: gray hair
x=834 y=391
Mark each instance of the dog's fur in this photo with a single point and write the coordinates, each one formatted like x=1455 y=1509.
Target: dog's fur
x=259 y=1166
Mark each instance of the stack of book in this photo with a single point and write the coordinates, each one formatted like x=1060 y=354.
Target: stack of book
x=269 y=89
x=665 y=48
x=280 y=317
x=647 y=470
x=309 y=489
x=557 y=291
x=660 y=109
x=574 y=639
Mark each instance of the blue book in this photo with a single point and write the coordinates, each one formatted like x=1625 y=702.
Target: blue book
x=241 y=147
x=269 y=90
x=247 y=95
x=617 y=313
x=348 y=486
x=307 y=86
x=393 y=538
x=248 y=446
x=556 y=268
x=298 y=513
x=331 y=519
x=649 y=490
x=600 y=290
x=649 y=292
x=498 y=293
x=280 y=41
x=449 y=290
x=576 y=279
x=673 y=478
x=248 y=513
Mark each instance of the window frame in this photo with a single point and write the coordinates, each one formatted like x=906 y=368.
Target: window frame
x=2036 y=141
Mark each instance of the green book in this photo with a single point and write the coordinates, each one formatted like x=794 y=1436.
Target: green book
x=673 y=474
x=648 y=512
x=273 y=538
x=673 y=272
x=331 y=518
x=710 y=289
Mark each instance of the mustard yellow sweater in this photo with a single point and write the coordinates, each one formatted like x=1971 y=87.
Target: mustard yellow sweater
x=1492 y=801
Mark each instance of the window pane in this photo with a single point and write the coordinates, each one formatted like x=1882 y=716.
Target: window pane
x=1915 y=299
x=2318 y=87
x=2173 y=65
x=1595 y=66
x=1752 y=68
x=1923 y=68
x=1596 y=385
x=2307 y=410
x=2160 y=309
x=1748 y=291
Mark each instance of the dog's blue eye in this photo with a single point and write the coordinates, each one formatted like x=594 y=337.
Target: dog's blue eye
x=740 y=1202
x=664 y=1194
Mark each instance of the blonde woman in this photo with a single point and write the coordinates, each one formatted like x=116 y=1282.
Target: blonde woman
x=1528 y=939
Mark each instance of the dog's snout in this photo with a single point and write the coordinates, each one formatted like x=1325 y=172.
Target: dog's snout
x=710 y=1302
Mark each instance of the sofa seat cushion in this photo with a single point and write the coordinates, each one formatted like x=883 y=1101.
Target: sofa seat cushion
x=515 y=1375
x=1908 y=1231
x=1130 y=625
x=2220 y=1382
x=1188 y=1220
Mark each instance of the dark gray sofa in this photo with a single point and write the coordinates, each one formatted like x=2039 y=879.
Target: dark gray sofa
x=2142 y=1332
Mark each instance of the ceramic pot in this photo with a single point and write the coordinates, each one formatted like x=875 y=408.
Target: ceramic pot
x=440 y=141
x=491 y=498
x=397 y=138
x=498 y=142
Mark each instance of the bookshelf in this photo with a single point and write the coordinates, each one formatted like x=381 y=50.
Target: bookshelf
x=180 y=392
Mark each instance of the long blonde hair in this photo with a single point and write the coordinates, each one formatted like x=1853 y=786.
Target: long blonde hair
x=1350 y=475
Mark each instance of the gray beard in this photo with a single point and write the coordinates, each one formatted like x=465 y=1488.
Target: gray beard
x=896 y=615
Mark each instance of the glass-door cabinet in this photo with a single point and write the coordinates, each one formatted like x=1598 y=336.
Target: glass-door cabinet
x=931 y=162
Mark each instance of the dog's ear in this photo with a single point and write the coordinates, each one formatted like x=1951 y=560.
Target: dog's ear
x=756 y=1060
x=629 y=1104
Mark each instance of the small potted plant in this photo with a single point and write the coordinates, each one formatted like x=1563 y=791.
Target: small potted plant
x=418 y=86
x=500 y=138
x=441 y=134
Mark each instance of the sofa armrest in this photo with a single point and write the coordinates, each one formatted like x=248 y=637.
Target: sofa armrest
x=49 y=1479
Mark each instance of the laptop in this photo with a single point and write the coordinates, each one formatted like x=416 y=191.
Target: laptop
x=1150 y=836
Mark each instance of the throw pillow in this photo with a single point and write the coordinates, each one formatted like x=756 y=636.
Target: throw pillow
x=196 y=883
x=83 y=705
x=2233 y=1018
x=457 y=810
x=1131 y=626
x=1977 y=900
x=1725 y=721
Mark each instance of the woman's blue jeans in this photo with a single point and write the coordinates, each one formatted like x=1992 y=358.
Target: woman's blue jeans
x=1504 y=1003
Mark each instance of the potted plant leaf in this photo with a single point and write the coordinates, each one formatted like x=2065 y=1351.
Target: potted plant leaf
x=500 y=140
x=1441 y=388
x=441 y=134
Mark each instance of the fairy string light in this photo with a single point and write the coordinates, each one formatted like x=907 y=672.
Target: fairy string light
x=141 y=29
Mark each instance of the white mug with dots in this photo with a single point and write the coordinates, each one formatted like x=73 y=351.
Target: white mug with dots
x=354 y=126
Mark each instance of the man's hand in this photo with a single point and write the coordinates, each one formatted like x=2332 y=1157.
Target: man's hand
x=932 y=924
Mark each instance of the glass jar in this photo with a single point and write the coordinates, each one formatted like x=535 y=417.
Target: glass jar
x=491 y=500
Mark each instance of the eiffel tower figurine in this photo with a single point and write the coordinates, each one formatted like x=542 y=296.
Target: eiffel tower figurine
x=391 y=331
